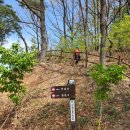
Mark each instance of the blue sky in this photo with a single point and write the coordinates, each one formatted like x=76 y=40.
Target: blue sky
x=21 y=13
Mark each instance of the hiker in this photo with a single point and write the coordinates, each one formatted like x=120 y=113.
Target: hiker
x=76 y=55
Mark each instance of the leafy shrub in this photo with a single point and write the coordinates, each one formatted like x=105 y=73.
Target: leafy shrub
x=104 y=76
x=13 y=65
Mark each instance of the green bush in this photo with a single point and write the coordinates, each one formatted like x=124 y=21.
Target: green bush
x=104 y=76
x=13 y=65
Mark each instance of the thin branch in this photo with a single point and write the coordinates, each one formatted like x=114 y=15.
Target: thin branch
x=55 y=15
x=28 y=23
x=29 y=32
x=32 y=7
x=54 y=25
x=55 y=31
x=116 y=15
x=7 y=117
x=29 y=7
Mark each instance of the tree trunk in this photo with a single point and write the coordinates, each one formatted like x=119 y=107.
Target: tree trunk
x=85 y=26
x=128 y=6
x=95 y=18
x=120 y=16
x=110 y=48
x=120 y=8
x=103 y=27
x=72 y=27
x=95 y=39
x=86 y=33
x=43 y=31
x=23 y=39
x=98 y=25
x=64 y=20
x=37 y=36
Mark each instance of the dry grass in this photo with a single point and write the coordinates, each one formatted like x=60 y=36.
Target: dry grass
x=38 y=111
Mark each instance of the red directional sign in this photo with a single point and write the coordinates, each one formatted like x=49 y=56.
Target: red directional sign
x=53 y=95
x=63 y=91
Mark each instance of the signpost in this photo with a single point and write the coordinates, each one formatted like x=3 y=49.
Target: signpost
x=72 y=108
x=67 y=91
x=63 y=91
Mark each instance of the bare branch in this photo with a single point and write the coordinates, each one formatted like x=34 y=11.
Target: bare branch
x=29 y=7
x=116 y=15
x=55 y=15
x=28 y=23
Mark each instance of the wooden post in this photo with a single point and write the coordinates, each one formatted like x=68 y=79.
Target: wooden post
x=55 y=57
x=50 y=54
x=73 y=61
x=71 y=83
x=61 y=55
x=119 y=60
x=86 y=63
x=73 y=114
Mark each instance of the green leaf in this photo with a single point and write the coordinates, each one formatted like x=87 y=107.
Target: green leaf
x=104 y=76
x=13 y=65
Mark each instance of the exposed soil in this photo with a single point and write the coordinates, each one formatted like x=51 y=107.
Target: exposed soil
x=37 y=111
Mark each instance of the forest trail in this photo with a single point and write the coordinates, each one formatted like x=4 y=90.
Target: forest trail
x=38 y=111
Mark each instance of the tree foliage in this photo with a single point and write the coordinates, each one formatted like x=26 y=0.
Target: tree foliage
x=104 y=77
x=8 y=21
x=120 y=32
x=66 y=45
x=13 y=65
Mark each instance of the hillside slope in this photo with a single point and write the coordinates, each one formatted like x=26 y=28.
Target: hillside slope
x=38 y=111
